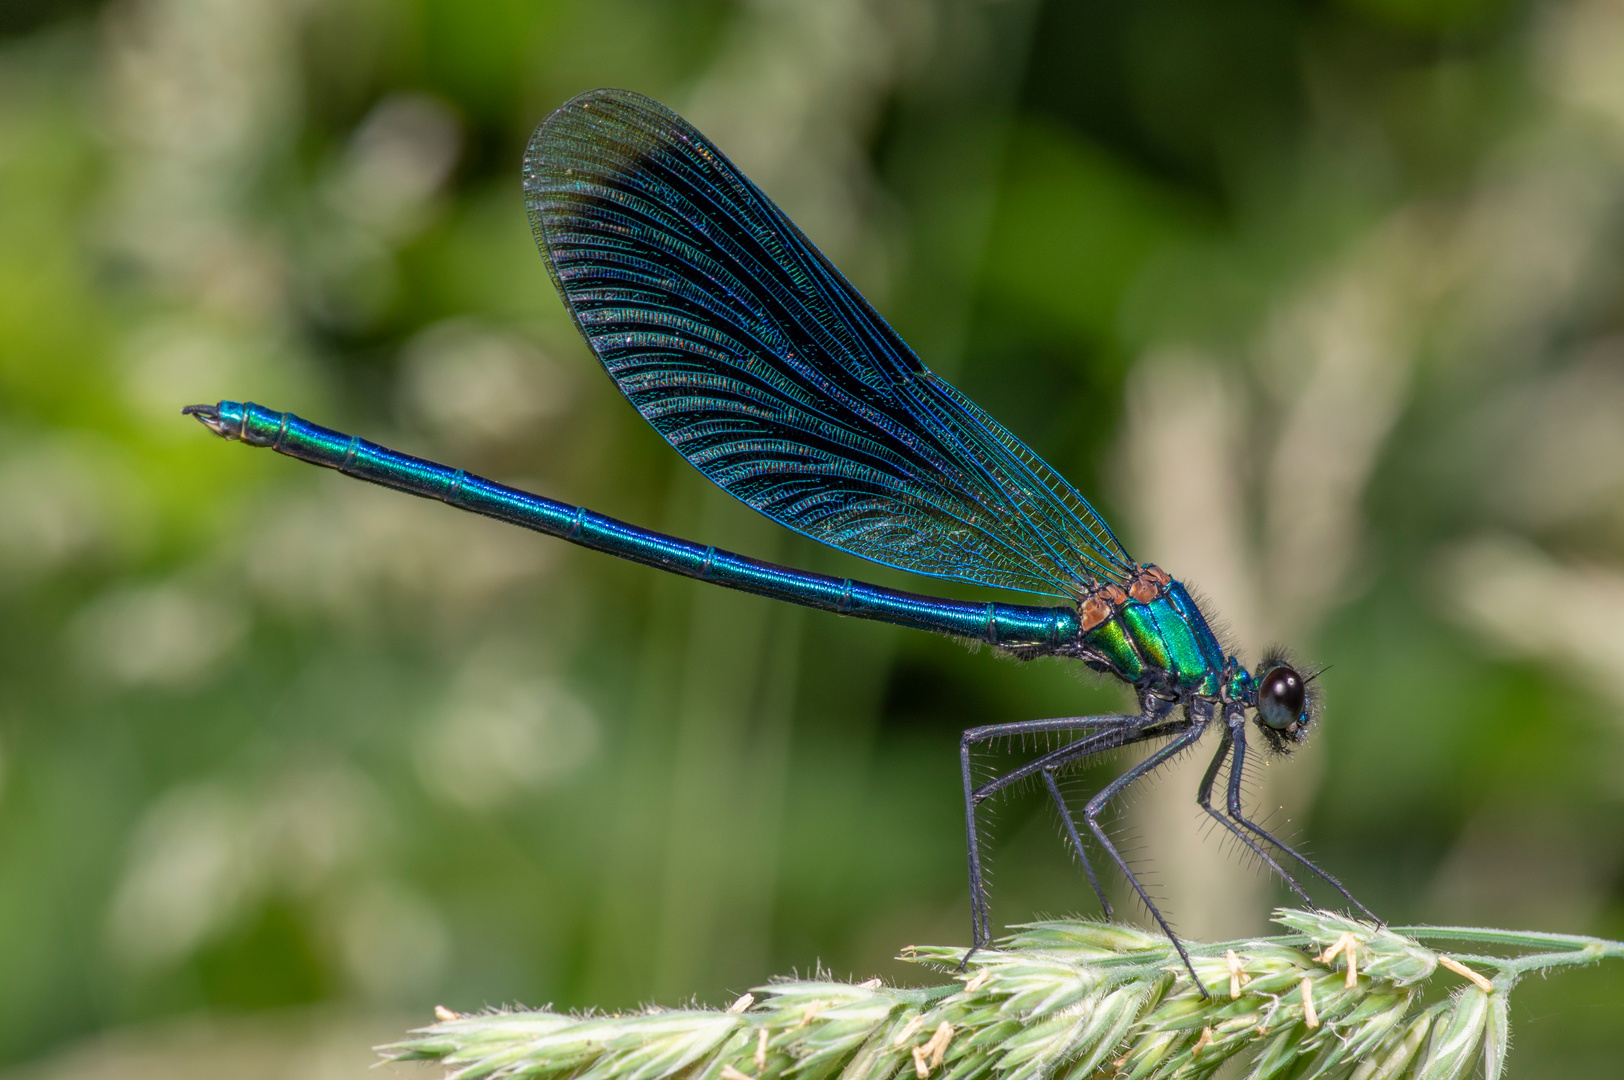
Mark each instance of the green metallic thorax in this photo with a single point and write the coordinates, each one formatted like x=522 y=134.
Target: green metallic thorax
x=1163 y=644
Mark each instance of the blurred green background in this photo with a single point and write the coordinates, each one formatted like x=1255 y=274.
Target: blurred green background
x=1322 y=302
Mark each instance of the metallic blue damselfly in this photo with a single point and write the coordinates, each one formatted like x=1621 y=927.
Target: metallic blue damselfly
x=759 y=363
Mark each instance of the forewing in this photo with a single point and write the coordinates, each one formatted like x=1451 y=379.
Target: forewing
x=751 y=354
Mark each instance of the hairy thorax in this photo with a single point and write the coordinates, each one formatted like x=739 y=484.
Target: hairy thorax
x=1153 y=635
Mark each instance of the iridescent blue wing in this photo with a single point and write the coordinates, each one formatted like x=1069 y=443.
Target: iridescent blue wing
x=751 y=354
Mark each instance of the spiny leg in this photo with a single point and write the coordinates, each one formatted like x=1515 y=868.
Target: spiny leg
x=1203 y=797
x=1076 y=841
x=1051 y=764
x=1237 y=728
x=1091 y=814
x=1117 y=725
x=1110 y=739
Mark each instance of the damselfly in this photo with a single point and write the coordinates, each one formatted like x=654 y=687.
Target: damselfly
x=758 y=362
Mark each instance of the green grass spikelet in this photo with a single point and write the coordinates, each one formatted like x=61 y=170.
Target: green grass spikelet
x=1066 y=1001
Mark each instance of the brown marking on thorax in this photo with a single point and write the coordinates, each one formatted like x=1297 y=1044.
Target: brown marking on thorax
x=1093 y=611
x=1101 y=605
x=1103 y=602
x=1148 y=583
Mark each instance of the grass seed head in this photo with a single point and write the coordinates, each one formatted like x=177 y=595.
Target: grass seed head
x=1055 y=1001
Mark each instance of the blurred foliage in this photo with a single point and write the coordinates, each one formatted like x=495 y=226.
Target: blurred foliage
x=1321 y=301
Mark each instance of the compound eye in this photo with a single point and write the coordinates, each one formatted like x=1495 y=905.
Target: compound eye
x=1280 y=697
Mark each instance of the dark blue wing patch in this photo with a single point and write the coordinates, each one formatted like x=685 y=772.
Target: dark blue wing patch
x=750 y=353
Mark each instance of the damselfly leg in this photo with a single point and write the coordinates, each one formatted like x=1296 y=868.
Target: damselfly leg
x=1235 y=721
x=1092 y=811
x=1109 y=731
x=1203 y=797
x=1071 y=834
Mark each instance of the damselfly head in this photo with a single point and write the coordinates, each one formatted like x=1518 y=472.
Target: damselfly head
x=1285 y=703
